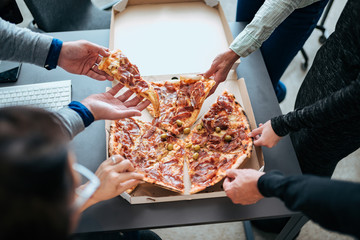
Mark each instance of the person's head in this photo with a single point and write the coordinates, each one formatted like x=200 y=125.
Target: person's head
x=36 y=180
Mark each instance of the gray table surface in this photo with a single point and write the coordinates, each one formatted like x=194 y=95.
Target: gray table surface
x=117 y=213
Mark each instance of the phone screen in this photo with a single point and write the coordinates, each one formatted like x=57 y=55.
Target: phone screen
x=9 y=71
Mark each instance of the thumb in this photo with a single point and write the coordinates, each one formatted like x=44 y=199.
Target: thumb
x=259 y=142
x=226 y=184
x=213 y=89
x=210 y=72
x=231 y=173
x=103 y=51
x=255 y=132
x=127 y=185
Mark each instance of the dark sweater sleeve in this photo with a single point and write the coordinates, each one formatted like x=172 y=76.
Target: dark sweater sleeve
x=331 y=203
x=342 y=104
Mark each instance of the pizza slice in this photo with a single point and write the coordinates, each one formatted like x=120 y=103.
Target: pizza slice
x=120 y=68
x=156 y=154
x=168 y=92
x=218 y=142
x=224 y=128
x=124 y=135
x=180 y=102
x=206 y=168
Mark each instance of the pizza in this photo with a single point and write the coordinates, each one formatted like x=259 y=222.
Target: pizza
x=180 y=102
x=120 y=68
x=153 y=152
x=218 y=142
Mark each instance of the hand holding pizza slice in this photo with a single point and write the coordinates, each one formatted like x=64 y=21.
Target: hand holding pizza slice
x=120 y=68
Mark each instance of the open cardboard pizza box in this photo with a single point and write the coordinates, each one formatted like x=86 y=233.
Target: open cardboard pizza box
x=148 y=193
x=169 y=38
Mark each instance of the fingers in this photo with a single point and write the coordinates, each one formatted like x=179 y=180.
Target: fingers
x=133 y=102
x=125 y=96
x=125 y=176
x=129 y=113
x=213 y=89
x=115 y=159
x=226 y=184
x=210 y=72
x=255 y=132
x=142 y=105
x=231 y=173
x=127 y=185
x=103 y=51
x=258 y=142
x=114 y=90
x=120 y=164
x=96 y=76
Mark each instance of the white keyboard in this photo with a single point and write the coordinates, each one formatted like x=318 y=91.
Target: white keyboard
x=50 y=95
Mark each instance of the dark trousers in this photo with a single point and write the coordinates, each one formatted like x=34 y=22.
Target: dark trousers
x=287 y=39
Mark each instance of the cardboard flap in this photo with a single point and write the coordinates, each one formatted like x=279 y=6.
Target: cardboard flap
x=121 y=5
x=167 y=38
x=212 y=3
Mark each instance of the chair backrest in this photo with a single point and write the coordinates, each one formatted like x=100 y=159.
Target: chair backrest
x=67 y=15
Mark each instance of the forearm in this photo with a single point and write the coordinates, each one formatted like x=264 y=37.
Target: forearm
x=271 y=14
x=332 y=204
x=72 y=122
x=343 y=104
x=22 y=45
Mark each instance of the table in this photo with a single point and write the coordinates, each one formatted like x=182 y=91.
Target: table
x=117 y=213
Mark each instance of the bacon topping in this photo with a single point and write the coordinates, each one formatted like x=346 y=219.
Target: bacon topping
x=197 y=94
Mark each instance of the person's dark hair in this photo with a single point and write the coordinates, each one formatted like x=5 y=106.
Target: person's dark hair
x=36 y=184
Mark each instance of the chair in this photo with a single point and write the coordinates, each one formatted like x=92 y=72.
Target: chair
x=67 y=15
x=10 y=11
x=322 y=38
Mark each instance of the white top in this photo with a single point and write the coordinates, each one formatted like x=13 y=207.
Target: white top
x=271 y=14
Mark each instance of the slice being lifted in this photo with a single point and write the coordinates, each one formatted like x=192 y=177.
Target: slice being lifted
x=120 y=68
x=180 y=102
x=218 y=142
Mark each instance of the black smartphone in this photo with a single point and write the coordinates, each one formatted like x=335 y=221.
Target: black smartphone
x=9 y=71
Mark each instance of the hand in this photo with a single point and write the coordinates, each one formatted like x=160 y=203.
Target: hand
x=264 y=135
x=221 y=67
x=81 y=57
x=106 y=106
x=115 y=178
x=241 y=186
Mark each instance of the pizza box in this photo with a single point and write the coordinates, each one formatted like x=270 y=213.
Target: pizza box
x=149 y=193
x=170 y=36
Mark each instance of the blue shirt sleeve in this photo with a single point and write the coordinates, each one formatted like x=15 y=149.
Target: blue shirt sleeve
x=53 y=55
x=84 y=113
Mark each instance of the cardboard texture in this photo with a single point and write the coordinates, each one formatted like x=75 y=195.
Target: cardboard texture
x=169 y=38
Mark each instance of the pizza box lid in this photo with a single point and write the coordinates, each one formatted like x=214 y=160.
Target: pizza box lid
x=149 y=193
x=170 y=36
